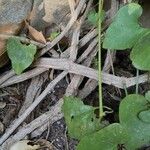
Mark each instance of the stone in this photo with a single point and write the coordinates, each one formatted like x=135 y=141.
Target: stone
x=14 y=11
x=38 y=12
x=49 y=12
x=56 y=11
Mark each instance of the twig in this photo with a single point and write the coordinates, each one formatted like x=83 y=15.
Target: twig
x=24 y=76
x=75 y=41
x=114 y=8
x=107 y=78
x=77 y=79
x=33 y=91
x=67 y=28
x=42 y=126
x=76 y=34
x=72 y=6
x=51 y=116
x=65 y=64
x=108 y=64
x=6 y=76
x=88 y=50
x=82 y=43
x=32 y=107
x=137 y=82
x=88 y=88
x=92 y=84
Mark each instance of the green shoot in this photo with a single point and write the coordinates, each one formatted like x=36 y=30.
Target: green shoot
x=101 y=112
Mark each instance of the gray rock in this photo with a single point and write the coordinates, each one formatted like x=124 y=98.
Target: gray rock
x=14 y=11
x=49 y=12
x=37 y=17
x=56 y=11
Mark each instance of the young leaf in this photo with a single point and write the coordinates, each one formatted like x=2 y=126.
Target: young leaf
x=125 y=29
x=140 y=54
x=21 y=55
x=53 y=35
x=138 y=129
x=109 y=138
x=145 y=116
x=80 y=118
x=93 y=17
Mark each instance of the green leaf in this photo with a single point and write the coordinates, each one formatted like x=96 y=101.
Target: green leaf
x=125 y=30
x=109 y=138
x=21 y=55
x=140 y=54
x=145 y=116
x=133 y=131
x=138 y=130
x=53 y=35
x=93 y=17
x=79 y=118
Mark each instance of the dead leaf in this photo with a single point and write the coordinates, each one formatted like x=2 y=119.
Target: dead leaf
x=36 y=35
x=57 y=12
x=11 y=29
x=25 y=145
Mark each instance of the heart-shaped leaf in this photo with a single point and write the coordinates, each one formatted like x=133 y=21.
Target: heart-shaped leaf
x=10 y=29
x=109 y=138
x=133 y=131
x=21 y=55
x=125 y=30
x=79 y=118
x=93 y=17
x=138 y=130
x=140 y=54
